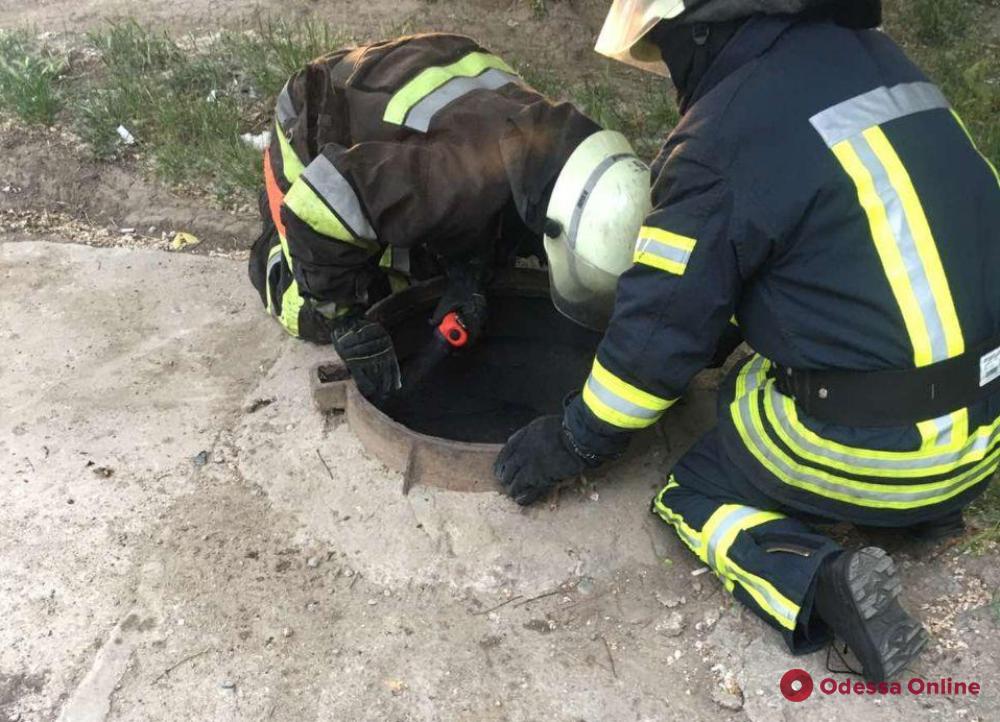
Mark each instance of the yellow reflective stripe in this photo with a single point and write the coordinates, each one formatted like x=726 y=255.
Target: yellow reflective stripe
x=304 y=202
x=888 y=251
x=291 y=304
x=975 y=449
x=430 y=79
x=777 y=605
x=868 y=494
x=968 y=135
x=922 y=236
x=292 y=167
x=717 y=537
x=664 y=250
x=689 y=536
x=619 y=403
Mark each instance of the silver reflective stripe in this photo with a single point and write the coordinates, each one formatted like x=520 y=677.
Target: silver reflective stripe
x=421 y=114
x=671 y=253
x=272 y=292
x=592 y=181
x=903 y=235
x=802 y=474
x=327 y=181
x=619 y=404
x=735 y=517
x=848 y=119
x=777 y=605
x=285 y=110
x=980 y=443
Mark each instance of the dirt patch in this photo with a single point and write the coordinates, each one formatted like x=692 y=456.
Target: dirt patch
x=14 y=687
x=45 y=170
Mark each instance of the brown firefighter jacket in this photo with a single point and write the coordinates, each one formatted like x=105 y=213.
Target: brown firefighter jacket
x=420 y=151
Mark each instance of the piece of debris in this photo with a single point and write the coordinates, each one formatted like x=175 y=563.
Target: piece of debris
x=313 y=562
x=105 y=472
x=201 y=458
x=671 y=625
x=226 y=684
x=125 y=135
x=669 y=601
x=699 y=571
x=184 y=240
x=711 y=617
x=258 y=404
x=728 y=700
x=287 y=632
x=260 y=141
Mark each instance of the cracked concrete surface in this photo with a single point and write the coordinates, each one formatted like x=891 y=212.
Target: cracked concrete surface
x=282 y=575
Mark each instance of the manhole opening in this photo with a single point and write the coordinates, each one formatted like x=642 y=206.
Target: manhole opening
x=529 y=359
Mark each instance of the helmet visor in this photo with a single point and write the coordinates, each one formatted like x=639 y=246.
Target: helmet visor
x=628 y=21
x=580 y=291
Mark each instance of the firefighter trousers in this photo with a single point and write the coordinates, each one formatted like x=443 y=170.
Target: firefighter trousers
x=765 y=555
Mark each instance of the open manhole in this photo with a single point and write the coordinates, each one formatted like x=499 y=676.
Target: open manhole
x=447 y=431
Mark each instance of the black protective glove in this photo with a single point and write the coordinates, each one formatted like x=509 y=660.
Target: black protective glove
x=465 y=294
x=536 y=458
x=367 y=350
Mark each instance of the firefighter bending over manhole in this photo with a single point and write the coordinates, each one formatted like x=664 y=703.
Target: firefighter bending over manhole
x=822 y=194
x=424 y=155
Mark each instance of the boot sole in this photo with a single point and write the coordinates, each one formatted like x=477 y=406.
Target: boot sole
x=874 y=585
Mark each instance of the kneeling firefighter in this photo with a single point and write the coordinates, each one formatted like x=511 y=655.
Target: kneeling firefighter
x=822 y=194
x=427 y=155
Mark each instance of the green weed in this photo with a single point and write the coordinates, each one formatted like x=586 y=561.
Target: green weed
x=29 y=78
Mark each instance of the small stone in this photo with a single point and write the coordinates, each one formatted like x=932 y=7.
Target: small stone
x=728 y=700
x=287 y=632
x=696 y=585
x=671 y=625
x=585 y=586
x=386 y=593
x=201 y=458
x=711 y=617
x=669 y=601
x=313 y=562
x=228 y=685
x=372 y=602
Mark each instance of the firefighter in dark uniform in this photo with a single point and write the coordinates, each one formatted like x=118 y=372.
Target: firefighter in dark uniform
x=426 y=155
x=820 y=193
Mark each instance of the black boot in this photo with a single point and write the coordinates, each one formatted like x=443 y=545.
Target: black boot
x=856 y=595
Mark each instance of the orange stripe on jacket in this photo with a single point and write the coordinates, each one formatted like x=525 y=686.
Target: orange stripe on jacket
x=274 y=195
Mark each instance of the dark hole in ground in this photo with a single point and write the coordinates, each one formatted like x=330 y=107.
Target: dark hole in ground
x=529 y=359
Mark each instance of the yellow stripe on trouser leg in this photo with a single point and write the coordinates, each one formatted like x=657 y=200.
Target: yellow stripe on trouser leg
x=688 y=535
x=619 y=403
x=717 y=537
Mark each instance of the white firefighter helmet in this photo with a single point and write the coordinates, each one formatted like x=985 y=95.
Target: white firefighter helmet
x=623 y=34
x=597 y=206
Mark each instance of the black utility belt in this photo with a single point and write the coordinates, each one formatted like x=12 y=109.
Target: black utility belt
x=897 y=397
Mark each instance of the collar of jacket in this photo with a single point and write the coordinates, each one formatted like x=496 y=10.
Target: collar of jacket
x=750 y=42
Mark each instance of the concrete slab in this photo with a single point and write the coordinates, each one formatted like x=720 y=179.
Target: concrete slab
x=283 y=576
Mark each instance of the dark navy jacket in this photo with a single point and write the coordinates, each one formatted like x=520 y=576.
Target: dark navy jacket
x=821 y=194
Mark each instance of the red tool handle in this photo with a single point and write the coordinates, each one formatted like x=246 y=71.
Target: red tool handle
x=452 y=330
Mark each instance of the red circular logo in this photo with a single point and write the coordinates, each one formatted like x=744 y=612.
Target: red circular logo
x=796 y=685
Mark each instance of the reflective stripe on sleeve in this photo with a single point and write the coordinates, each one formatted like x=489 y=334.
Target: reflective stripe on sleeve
x=663 y=249
x=421 y=115
x=430 y=79
x=620 y=404
x=338 y=194
x=285 y=109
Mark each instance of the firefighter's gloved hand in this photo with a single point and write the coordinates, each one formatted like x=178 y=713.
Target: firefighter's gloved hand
x=471 y=308
x=536 y=458
x=367 y=350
